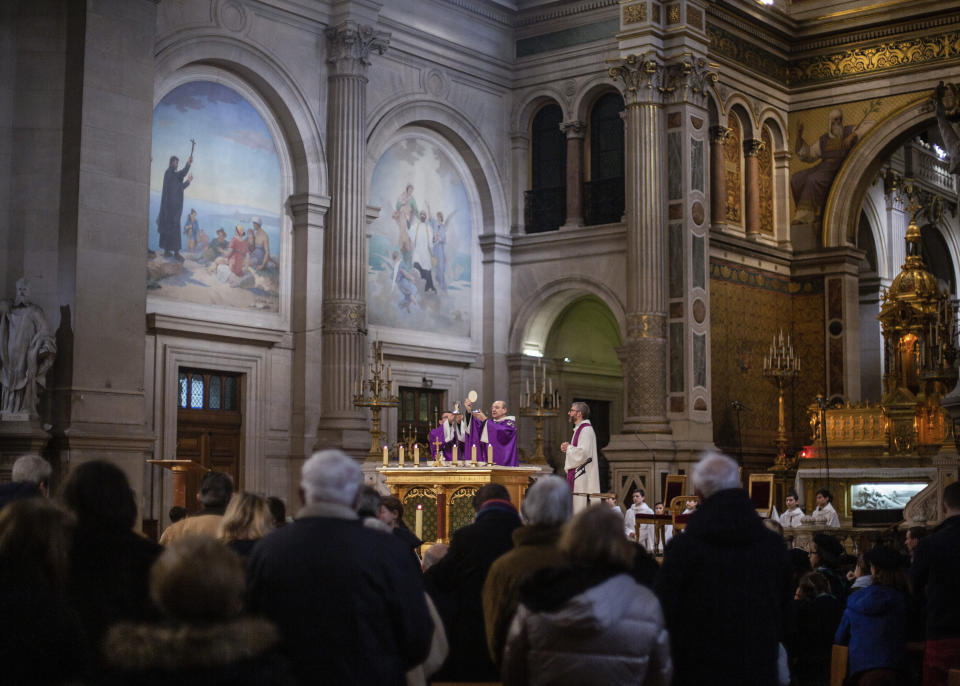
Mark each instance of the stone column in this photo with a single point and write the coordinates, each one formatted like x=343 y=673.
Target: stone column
x=718 y=176
x=643 y=353
x=344 y=262
x=575 y=131
x=897 y=220
x=520 y=161
x=751 y=166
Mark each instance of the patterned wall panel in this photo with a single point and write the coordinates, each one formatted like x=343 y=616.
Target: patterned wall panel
x=747 y=306
x=765 y=161
x=732 y=156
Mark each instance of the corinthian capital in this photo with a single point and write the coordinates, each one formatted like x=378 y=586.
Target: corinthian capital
x=753 y=147
x=350 y=45
x=574 y=129
x=720 y=134
x=688 y=81
x=641 y=79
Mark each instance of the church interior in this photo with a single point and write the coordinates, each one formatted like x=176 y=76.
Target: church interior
x=723 y=224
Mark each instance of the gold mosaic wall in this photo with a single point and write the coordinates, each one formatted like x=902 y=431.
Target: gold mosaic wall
x=732 y=152
x=765 y=162
x=747 y=307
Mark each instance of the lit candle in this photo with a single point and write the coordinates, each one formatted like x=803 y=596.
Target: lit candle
x=416 y=454
x=400 y=453
x=419 y=524
x=489 y=454
x=455 y=449
x=473 y=453
x=386 y=456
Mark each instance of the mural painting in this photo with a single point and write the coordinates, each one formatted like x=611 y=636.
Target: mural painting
x=215 y=201
x=419 y=266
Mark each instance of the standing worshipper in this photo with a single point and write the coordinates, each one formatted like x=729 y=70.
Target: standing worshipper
x=499 y=432
x=171 y=207
x=934 y=574
x=581 y=462
x=456 y=583
x=733 y=576
x=347 y=599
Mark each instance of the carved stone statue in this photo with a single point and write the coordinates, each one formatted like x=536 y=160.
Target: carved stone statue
x=27 y=351
x=948 y=103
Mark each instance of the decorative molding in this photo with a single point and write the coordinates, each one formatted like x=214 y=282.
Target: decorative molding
x=745 y=53
x=435 y=82
x=643 y=79
x=756 y=278
x=350 y=45
x=340 y=315
x=635 y=14
x=689 y=80
x=211 y=330
x=694 y=18
x=574 y=129
x=673 y=14
x=720 y=134
x=231 y=15
x=561 y=12
x=646 y=326
x=753 y=147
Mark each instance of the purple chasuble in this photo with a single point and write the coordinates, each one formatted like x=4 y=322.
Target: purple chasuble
x=446 y=448
x=503 y=437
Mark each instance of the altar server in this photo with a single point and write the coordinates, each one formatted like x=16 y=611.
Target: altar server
x=581 y=451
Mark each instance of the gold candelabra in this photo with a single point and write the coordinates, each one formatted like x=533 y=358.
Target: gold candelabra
x=781 y=365
x=542 y=403
x=375 y=390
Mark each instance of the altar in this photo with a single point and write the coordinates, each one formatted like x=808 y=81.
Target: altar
x=439 y=500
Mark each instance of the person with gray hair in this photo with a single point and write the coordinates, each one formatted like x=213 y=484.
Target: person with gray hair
x=725 y=569
x=547 y=506
x=30 y=477
x=312 y=576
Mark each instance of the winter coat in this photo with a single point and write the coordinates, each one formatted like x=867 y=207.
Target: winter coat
x=456 y=584
x=347 y=599
x=725 y=585
x=813 y=624
x=237 y=653
x=581 y=627
x=874 y=625
x=934 y=574
x=534 y=547
x=16 y=490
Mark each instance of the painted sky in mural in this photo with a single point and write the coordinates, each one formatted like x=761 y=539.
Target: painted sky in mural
x=419 y=266
x=222 y=245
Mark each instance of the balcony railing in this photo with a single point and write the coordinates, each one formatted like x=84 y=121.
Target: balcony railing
x=544 y=209
x=603 y=201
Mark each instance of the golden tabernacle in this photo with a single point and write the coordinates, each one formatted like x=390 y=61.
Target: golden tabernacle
x=439 y=500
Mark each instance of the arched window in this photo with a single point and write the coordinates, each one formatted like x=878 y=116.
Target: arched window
x=603 y=192
x=545 y=204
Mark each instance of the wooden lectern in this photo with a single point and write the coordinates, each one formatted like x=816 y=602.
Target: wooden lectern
x=181 y=470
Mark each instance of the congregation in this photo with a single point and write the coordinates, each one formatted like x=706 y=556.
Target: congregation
x=236 y=594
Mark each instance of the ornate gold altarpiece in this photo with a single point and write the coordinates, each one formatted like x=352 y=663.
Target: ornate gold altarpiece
x=446 y=493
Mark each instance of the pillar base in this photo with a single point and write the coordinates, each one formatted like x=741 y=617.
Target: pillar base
x=21 y=437
x=352 y=436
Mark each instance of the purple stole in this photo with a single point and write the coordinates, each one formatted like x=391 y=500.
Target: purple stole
x=502 y=436
x=571 y=473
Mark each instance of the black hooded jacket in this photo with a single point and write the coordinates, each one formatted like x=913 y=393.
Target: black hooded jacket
x=725 y=587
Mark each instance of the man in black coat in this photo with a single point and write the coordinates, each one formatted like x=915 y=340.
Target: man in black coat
x=725 y=586
x=456 y=583
x=348 y=600
x=934 y=574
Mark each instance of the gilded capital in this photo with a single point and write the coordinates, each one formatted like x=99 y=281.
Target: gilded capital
x=688 y=81
x=350 y=45
x=720 y=134
x=753 y=147
x=641 y=79
x=646 y=326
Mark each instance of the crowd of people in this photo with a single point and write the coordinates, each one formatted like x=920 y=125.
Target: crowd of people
x=345 y=593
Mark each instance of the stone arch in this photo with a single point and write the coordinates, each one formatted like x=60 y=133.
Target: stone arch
x=535 y=318
x=586 y=98
x=952 y=243
x=874 y=212
x=265 y=75
x=522 y=115
x=859 y=170
x=774 y=121
x=461 y=134
x=737 y=104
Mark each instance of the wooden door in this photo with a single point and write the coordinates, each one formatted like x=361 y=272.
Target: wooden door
x=210 y=425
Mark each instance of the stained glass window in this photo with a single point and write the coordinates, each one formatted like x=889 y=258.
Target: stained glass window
x=215 y=400
x=183 y=390
x=196 y=392
x=230 y=393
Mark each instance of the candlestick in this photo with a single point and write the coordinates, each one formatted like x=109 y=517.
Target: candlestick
x=473 y=453
x=386 y=456
x=416 y=454
x=419 y=521
x=400 y=453
x=489 y=454
x=455 y=447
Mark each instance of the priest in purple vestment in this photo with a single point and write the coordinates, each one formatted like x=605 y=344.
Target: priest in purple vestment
x=445 y=436
x=499 y=431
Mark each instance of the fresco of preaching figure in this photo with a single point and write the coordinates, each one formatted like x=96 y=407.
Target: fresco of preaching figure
x=171 y=206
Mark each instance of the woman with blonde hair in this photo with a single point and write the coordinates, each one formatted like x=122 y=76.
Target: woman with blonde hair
x=588 y=622
x=246 y=520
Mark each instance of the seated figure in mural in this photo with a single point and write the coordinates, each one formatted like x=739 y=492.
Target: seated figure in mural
x=238 y=251
x=216 y=248
x=171 y=206
x=811 y=186
x=260 y=253
x=27 y=351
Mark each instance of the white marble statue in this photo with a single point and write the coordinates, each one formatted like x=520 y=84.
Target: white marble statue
x=27 y=351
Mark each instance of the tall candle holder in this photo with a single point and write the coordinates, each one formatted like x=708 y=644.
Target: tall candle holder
x=541 y=403
x=781 y=365
x=374 y=390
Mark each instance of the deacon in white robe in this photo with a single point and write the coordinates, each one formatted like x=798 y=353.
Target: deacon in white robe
x=581 y=451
